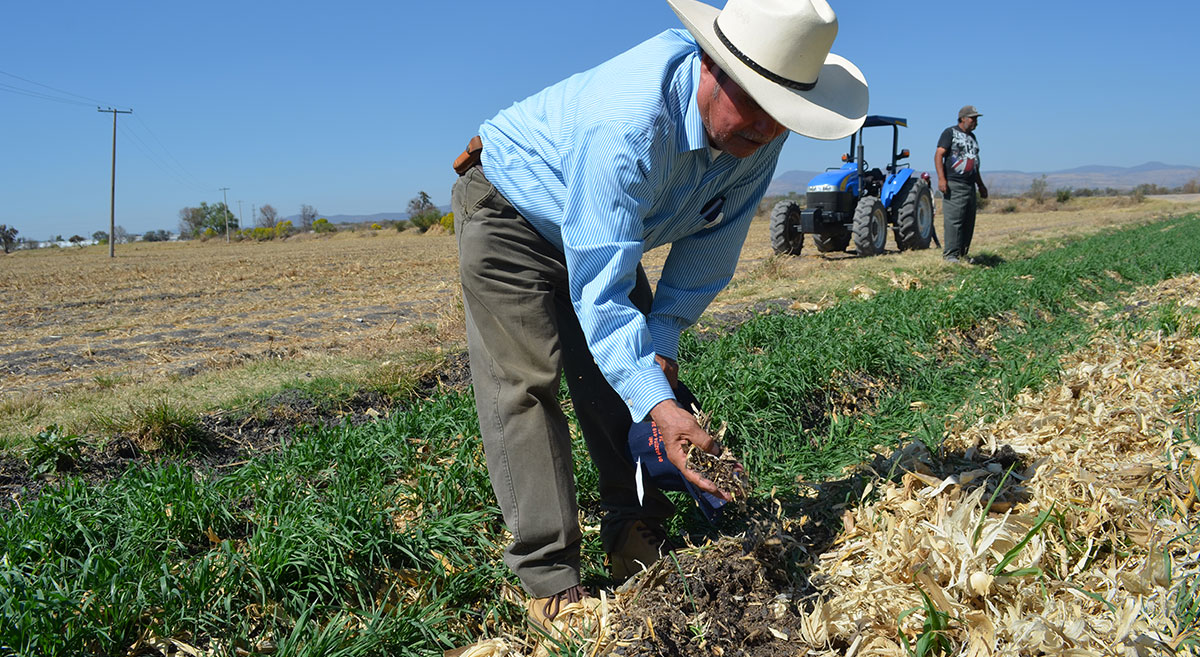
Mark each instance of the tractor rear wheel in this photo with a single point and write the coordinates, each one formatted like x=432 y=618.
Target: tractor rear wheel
x=786 y=237
x=870 y=226
x=832 y=242
x=914 y=220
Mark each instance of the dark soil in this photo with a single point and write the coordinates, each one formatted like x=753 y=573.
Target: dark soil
x=723 y=470
x=221 y=438
x=737 y=597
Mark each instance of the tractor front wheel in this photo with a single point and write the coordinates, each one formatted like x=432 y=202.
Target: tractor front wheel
x=786 y=237
x=832 y=242
x=914 y=220
x=870 y=226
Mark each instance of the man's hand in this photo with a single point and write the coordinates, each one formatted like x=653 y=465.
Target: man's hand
x=942 y=186
x=680 y=431
x=982 y=189
x=670 y=368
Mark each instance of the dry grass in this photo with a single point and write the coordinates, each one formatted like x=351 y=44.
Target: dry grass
x=210 y=322
x=205 y=323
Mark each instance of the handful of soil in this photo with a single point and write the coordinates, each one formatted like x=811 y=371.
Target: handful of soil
x=725 y=471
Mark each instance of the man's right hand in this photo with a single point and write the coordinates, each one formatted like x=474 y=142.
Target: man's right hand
x=680 y=431
x=942 y=186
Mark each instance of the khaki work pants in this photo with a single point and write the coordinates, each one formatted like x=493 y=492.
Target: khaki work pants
x=523 y=334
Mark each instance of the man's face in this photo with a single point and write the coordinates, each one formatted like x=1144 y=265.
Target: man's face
x=968 y=123
x=733 y=121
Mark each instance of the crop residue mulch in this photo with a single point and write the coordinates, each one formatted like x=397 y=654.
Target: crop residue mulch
x=1063 y=527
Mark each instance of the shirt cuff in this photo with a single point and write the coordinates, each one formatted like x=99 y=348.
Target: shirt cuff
x=644 y=391
x=665 y=337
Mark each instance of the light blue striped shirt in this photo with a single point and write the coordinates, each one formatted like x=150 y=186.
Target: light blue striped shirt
x=613 y=162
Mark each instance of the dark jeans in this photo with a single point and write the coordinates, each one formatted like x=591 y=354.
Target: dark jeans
x=958 y=213
x=522 y=334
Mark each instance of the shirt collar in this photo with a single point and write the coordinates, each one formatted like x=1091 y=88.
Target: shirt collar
x=694 y=136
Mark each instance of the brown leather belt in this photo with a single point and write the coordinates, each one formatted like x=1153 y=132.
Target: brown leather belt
x=469 y=157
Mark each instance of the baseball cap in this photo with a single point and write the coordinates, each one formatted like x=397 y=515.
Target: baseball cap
x=649 y=457
x=968 y=110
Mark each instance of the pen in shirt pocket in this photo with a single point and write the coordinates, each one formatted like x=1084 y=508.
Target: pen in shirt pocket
x=711 y=212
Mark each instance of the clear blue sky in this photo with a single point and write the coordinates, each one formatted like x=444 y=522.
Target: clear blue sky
x=355 y=107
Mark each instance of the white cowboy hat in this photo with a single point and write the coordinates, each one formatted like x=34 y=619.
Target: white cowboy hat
x=778 y=52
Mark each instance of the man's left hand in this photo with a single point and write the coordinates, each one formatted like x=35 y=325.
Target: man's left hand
x=670 y=368
x=982 y=190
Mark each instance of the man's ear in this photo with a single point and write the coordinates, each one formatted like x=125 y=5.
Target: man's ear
x=710 y=66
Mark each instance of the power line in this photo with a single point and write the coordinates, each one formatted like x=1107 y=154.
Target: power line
x=142 y=146
x=37 y=94
x=164 y=148
x=91 y=101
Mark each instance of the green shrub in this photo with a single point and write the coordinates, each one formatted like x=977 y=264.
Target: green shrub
x=447 y=222
x=424 y=221
x=283 y=229
x=1062 y=195
x=54 y=450
x=376 y=226
x=322 y=225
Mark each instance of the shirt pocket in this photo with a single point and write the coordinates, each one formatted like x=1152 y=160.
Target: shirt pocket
x=711 y=215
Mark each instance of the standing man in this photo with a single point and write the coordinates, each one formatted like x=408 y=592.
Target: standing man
x=672 y=142
x=957 y=164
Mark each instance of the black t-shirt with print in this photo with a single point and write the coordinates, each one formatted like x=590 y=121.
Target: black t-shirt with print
x=962 y=154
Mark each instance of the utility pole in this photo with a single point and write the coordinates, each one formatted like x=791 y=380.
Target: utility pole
x=223 y=190
x=112 y=197
x=241 y=219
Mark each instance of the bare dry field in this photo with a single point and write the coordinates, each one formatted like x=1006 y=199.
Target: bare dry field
x=206 y=323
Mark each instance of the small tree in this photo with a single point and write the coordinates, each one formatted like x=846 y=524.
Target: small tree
x=1037 y=189
x=267 y=217
x=308 y=214
x=1062 y=194
x=156 y=236
x=101 y=237
x=120 y=235
x=322 y=225
x=8 y=236
x=76 y=239
x=422 y=212
x=195 y=222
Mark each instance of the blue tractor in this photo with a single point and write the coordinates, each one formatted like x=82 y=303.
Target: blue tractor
x=859 y=203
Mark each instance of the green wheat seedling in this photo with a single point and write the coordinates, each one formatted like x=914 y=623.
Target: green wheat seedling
x=934 y=640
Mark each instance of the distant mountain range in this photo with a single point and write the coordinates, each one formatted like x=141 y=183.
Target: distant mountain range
x=362 y=218
x=1015 y=182
x=998 y=182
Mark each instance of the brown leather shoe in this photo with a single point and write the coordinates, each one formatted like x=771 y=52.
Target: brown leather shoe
x=638 y=547
x=571 y=615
